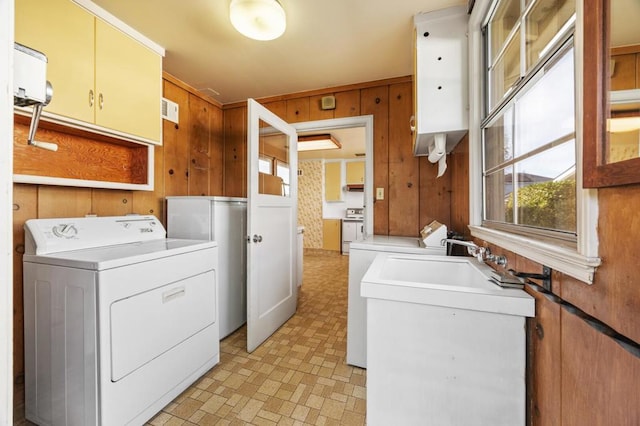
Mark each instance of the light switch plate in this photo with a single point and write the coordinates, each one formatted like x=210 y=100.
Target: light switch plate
x=379 y=193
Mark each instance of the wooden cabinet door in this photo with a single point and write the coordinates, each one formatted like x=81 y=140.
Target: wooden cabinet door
x=355 y=172
x=331 y=239
x=128 y=84
x=332 y=181
x=544 y=362
x=65 y=33
x=599 y=377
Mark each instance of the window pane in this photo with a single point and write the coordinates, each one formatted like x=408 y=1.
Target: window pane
x=273 y=144
x=543 y=22
x=505 y=73
x=503 y=21
x=500 y=133
x=498 y=189
x=546 y=112
x=264 y=165
x=529 y=154
x=546 y=189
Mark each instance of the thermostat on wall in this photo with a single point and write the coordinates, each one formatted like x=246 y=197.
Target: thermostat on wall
x=170 y=110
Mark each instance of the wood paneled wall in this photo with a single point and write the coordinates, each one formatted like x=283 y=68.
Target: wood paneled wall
x=190 y=162
x=413 y=196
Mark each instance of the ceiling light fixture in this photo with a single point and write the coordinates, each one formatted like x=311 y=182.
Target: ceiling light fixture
x=317 y=142
x=258 y=19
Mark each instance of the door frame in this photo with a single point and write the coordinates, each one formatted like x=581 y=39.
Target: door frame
x=365 y=121
x=6 y=218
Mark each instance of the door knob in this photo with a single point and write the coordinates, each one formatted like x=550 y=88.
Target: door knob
x=257 y=238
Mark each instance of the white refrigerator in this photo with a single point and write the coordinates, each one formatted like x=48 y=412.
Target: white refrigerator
x=224 y=220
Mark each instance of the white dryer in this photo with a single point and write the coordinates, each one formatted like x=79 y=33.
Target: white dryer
x=119 y=320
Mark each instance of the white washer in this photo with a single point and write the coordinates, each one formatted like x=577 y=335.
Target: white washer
x=119 y=320
x=361 y=255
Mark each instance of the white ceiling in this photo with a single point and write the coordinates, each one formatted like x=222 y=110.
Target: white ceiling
x=625 y=30
x=352 y=141
x=327 y=43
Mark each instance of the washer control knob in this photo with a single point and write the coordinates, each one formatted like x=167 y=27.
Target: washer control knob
x=65 y=230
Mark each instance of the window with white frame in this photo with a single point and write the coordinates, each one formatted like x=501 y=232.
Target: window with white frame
x=528 y=129
x=525 y=139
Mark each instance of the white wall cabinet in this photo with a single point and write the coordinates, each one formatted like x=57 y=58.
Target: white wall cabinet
x=103 y=80
x=441 y=80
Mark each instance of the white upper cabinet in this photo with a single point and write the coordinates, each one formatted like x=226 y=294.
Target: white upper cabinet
x=441 y=77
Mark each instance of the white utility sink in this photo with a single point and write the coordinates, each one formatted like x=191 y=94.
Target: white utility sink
x=445 y=345
x=456 y=282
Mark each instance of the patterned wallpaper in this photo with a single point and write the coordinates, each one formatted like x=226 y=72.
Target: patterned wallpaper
x=310 y=202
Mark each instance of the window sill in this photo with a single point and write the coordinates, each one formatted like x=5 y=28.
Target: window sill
x=567 y=261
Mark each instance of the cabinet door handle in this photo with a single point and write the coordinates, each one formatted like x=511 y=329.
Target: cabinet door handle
x=100 y=101
x=412 y=123
x=91 y=98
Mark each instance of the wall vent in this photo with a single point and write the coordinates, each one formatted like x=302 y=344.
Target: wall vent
x=170 y=110
x=328 y=102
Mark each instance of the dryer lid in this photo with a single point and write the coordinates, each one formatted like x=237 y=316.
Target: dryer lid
x=45 y=236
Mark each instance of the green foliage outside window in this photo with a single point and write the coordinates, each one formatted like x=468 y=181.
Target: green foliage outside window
x=550 y=205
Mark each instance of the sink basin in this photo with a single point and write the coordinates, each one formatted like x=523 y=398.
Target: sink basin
x=457 y=282
x=443 y=342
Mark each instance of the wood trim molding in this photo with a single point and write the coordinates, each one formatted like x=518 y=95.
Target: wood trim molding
x=597 y=173
x=333 y=90
x=172 y=79
x=624 y=50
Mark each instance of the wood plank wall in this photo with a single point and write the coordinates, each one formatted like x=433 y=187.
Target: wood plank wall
x=413 y=197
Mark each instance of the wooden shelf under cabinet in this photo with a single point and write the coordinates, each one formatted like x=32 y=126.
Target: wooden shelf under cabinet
x=82 y=159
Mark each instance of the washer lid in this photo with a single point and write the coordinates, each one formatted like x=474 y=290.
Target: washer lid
x=392 y=244
x=114 y=256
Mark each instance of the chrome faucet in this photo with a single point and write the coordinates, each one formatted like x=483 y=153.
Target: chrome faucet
x=481 y=253
x=472 y=248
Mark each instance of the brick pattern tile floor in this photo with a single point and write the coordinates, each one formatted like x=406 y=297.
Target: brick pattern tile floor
x=298 y=376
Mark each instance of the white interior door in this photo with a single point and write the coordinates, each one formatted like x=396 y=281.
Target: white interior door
x=272 y=166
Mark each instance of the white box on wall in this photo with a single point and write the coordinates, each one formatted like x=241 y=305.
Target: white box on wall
x=441 y=80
